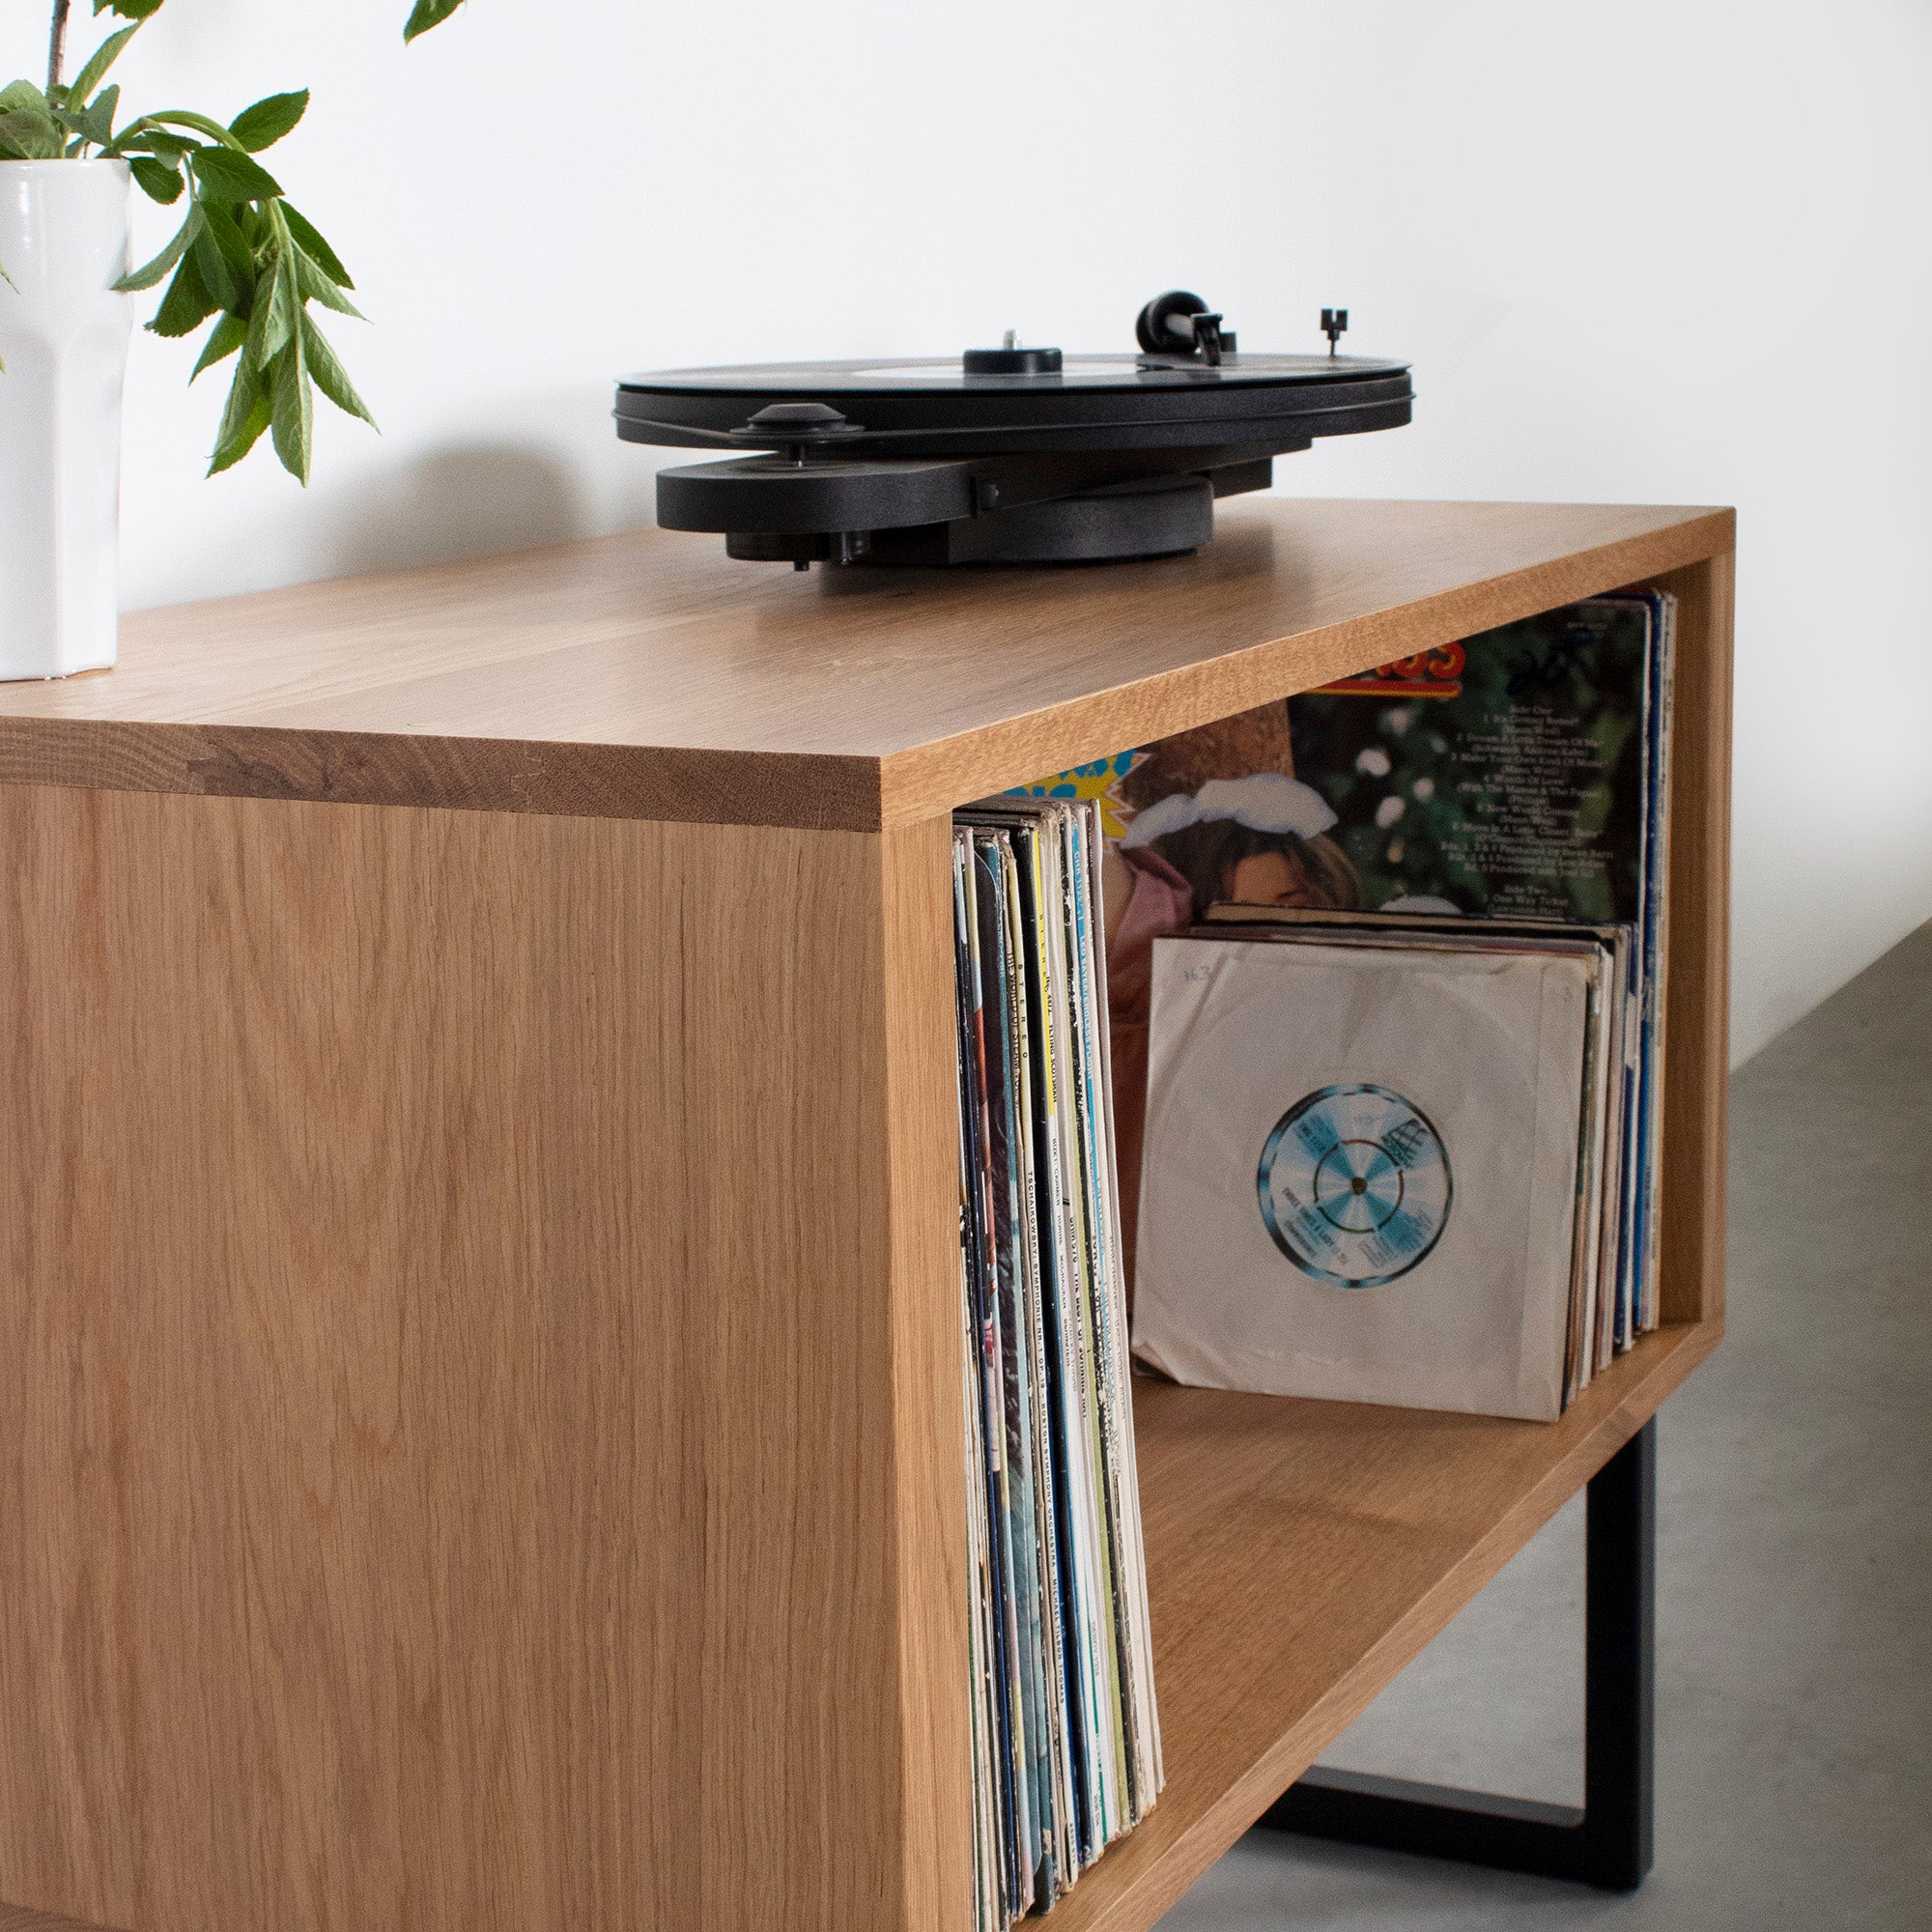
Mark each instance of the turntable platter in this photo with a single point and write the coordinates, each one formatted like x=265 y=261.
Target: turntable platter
x=897 y=460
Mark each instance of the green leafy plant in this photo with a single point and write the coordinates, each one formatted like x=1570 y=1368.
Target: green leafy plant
x=244 y=257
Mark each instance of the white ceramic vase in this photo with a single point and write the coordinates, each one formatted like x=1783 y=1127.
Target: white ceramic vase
x=64 y=340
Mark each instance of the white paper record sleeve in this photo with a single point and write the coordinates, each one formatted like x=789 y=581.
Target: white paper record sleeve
x=1360 y=1173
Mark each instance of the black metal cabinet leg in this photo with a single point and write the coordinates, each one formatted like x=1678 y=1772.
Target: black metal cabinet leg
x=1608 y=1842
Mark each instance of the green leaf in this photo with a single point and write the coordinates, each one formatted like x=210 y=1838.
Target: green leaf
x=294 y=420
x=129 y=9
x=28 y=131
x=317 y=287
x=188 y=303
x=223 y=340
x=158 y=182
x=288 y=292
x=216 y=276
x=227 y=238
x=270 y=322
x=264 y=123
x=104 y=56
x=149 y=276
x=96 y=122
x=309 y=240
x=227 y=176
x=428 y=13
x=242 y=420
x=331 y=377
x=27 y=136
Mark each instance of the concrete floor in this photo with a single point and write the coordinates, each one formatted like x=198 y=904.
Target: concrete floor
x=1794 y=1669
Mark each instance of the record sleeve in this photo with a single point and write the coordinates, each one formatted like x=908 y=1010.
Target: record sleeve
x=1361 y=1172
x=975 y=1229
x=1031 y=1745
x=1040 y=1111
x=1070 y=1721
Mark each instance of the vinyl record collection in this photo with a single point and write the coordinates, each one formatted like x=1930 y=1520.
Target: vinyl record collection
x=1386 y=970
x=1066 y=1742
x=1558 y=733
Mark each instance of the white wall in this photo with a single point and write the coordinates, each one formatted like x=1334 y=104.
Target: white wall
x=1670 y=252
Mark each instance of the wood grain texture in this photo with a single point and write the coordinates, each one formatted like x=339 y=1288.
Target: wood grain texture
x=933 y=1747
x=1299 y=1553
x=650 y=676
x=481 y=1447
x=12 y=1918
x=1697 y=1082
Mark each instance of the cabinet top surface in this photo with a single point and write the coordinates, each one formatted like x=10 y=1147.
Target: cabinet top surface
x=648 y=675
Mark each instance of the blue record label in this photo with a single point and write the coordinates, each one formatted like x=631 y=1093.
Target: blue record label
x=1355 y=1185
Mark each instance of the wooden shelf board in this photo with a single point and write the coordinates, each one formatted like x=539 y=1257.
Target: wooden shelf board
x=650 y=676
x=1299 y=1553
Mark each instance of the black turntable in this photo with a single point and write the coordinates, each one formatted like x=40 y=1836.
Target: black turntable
x=1009 y=455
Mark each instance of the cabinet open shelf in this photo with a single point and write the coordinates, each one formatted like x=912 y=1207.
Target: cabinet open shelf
x=481 y=1290
x=1299 y=1553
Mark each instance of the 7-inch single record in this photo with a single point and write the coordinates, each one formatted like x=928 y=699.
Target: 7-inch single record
x=1354 y=1184
x=1360 y=1170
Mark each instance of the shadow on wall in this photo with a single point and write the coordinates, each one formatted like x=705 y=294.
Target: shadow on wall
x=462 y=502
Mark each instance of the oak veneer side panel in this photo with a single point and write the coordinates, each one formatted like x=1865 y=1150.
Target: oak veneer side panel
x=949 y=773
x=460 y=1361
x=832 y=1460
x=929 y=1492
x=1697 y=999
x=69 y=1719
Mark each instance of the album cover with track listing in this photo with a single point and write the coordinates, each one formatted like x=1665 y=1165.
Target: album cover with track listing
x=1361 y=1172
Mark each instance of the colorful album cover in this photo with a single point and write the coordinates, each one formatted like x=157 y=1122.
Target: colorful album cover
x=1501 y=776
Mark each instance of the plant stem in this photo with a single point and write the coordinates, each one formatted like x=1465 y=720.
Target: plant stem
x=180 y=116
x=57 y=45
